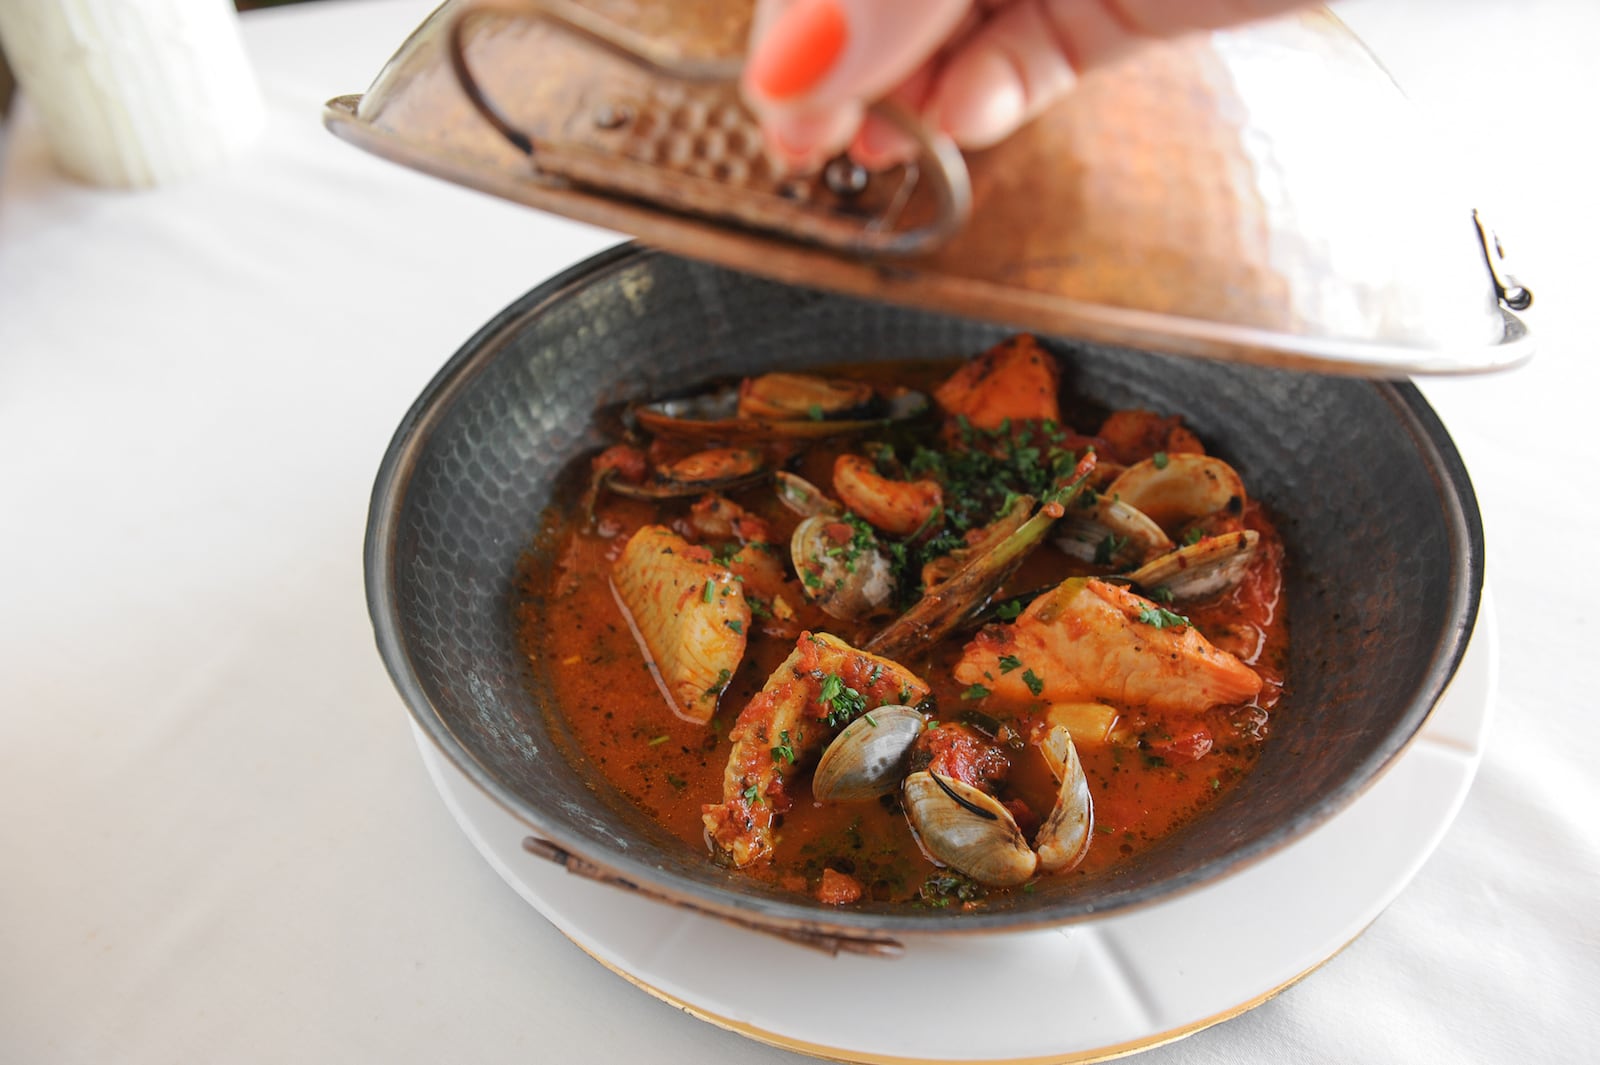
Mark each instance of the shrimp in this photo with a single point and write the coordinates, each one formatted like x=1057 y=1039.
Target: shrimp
x=898 y=508
x=1015 y=381
x=1090 y=640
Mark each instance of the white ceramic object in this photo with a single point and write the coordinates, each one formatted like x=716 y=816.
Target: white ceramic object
x=134 y=93
x=1083 y=992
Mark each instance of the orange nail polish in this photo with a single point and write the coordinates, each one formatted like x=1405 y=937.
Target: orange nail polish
x=799 y=49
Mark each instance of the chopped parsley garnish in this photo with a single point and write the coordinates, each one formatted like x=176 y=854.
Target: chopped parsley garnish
x=656 y=741
x=1193 y=536
x=814 y=412
x=1107 y=549
x=784 y=751
x=736 y=625
x=943 y=888
x=1009 y=662
x=1160 y=459
x=752 y=795
x=1161 y=594
x=710 y=590
x=844 y=703
x=870 y=719
x=1008 y=611
x=977 y=691
x=723 y=676
x=1033 y=681
x=982 y=475
x=1162 y=618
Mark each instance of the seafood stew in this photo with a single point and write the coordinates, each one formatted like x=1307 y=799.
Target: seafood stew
x=913 y=632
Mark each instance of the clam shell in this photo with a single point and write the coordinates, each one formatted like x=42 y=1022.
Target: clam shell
x=1063 y=839
x=847 y=588
x=1109 y=531
x=1197 y=570
x=869 y=757
x=1173 y=489
x=804 y=498
x=968 y=830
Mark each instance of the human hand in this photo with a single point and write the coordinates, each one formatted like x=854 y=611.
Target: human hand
x=975 y=69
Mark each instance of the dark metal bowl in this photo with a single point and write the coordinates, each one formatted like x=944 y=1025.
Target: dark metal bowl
x=1385 y=560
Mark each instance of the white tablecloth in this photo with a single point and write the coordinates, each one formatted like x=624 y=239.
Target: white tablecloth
x=217 y=843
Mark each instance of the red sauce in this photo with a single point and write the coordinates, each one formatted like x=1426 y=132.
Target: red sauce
x=1155 y=774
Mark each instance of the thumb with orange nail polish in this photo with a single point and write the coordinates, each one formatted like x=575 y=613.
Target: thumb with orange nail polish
x=814 y=64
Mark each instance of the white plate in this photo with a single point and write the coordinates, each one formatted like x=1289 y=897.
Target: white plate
x=1081 y=993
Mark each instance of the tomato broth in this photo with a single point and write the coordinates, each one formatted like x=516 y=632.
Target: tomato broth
x=1151 y=772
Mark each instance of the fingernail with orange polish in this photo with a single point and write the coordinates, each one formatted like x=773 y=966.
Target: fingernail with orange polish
x=799 y=49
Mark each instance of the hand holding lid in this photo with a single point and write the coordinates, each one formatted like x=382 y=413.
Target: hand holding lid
x=1260 y=194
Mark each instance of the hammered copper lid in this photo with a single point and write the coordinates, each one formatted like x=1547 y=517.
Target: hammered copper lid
x=1259 y=195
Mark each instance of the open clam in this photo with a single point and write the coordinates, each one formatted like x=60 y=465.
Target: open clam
x=804 y=498
x=1208 y=566
x=842 y=568
x=968 y=830
x=1063 y=839
x=780 y=406
x=869 y=757
x=1173 y=489
x=1109 y=531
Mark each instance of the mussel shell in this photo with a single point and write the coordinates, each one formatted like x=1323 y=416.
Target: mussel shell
x=714 y=416
x=845 y=588
x=968 y=830
x=1197 y=570
x=869 y=757
x=1063 y=839
x=805 y=397
x=736 y=468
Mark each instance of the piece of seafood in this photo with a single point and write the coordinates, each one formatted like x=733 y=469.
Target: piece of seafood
x=722 y=469
x=1132 y=434
x=944 y=607
x=1108 y=531
x=800 y=396
x=688 y=614
x=869 y=757
x=899 y=508
x=804 y=498
x=823 y=684
x=841 y=568
x=1088 y=640
x=1173 y=489
x=1203 y=568
x=968 y=830
x=779 y=407
x=1014 y=381
x=1063 y=839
